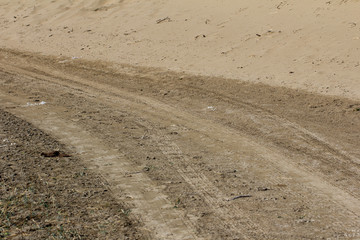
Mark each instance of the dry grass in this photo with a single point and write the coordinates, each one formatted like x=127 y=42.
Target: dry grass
x=53 y=198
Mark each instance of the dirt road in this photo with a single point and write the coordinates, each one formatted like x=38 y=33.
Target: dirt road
x=196 y=157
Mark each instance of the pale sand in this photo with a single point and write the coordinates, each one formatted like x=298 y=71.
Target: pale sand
x=309 y=44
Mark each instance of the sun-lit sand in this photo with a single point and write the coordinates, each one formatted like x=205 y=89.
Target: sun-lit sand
x=311 y=45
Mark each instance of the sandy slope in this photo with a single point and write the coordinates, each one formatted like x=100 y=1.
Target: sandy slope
x=309 y=44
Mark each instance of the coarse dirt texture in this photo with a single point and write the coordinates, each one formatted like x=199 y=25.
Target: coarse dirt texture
x=53 y=198
x=198 y=157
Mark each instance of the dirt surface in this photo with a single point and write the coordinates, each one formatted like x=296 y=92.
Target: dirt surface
x=309 y=44
x=198 y=157
x=53 y=197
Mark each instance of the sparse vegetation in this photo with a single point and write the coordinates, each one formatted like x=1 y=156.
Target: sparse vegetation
x=52 y=198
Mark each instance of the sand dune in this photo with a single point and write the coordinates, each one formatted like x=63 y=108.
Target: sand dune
x=311 y=45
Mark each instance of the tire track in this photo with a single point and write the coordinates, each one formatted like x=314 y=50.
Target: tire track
x=262 y=118
x=157 y=111
x=155 y=106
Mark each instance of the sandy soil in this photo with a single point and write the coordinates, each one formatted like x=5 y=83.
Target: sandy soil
x=309 y=44
x=203 y=119
x=199 y=157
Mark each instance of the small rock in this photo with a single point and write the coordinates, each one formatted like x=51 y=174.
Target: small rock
x=54 y=154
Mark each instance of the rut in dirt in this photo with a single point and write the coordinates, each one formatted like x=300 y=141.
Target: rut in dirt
x=201 y=144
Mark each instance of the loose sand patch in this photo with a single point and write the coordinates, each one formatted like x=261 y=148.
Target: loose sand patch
x=312 y=45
